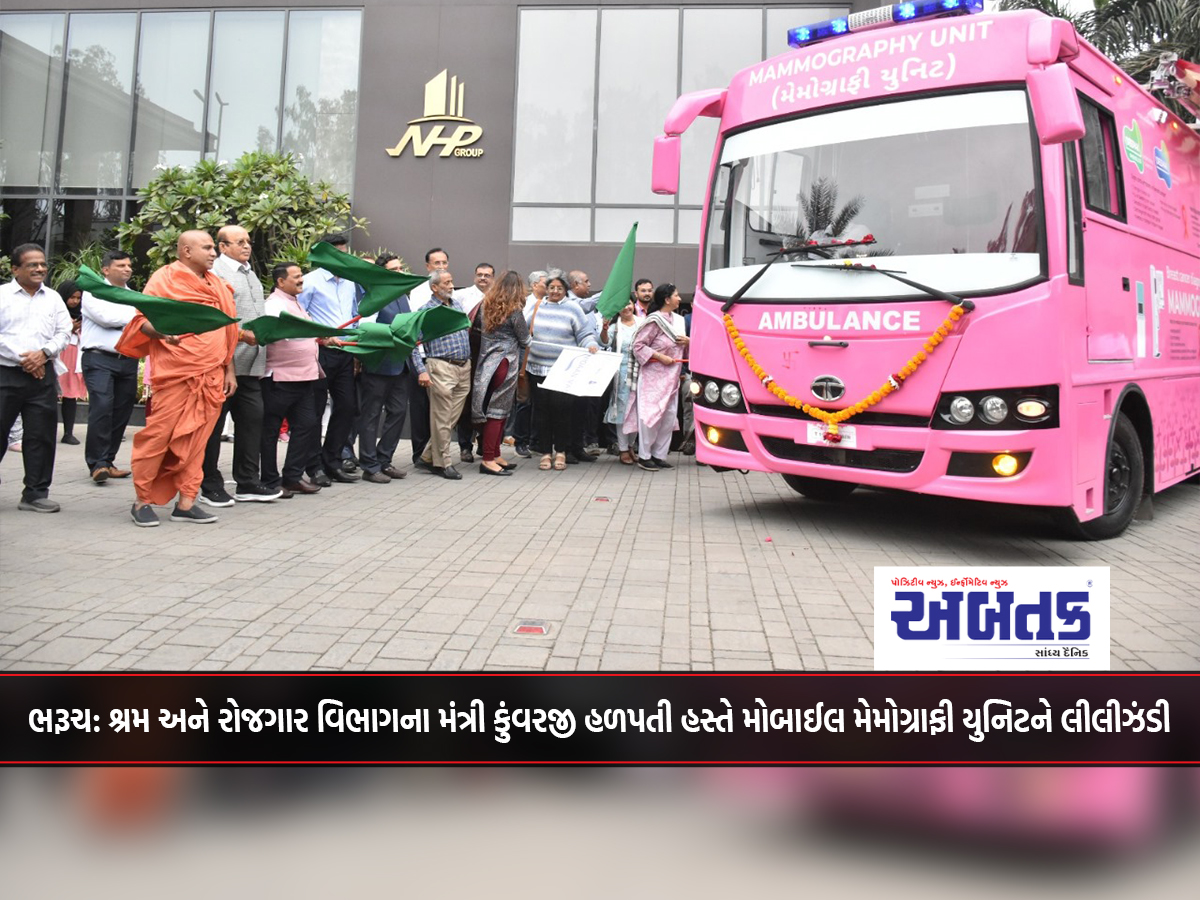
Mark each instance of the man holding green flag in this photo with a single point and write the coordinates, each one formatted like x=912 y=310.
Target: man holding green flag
x=193 y=374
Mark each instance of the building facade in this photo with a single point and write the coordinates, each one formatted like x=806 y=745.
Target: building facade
x=519 y=133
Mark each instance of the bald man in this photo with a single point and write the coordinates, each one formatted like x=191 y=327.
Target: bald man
x=193 y=376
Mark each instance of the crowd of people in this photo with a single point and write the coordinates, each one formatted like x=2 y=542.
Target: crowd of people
x=340 y=418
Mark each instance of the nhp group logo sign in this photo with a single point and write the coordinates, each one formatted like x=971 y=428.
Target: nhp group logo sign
x=443 y=124
x=980 y=618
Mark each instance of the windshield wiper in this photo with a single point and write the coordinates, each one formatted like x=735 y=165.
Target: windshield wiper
x=933 y=292
x=821 y=250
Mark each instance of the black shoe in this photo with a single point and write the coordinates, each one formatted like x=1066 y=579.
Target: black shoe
x=484 y=470
x=688 y=448
x=663 y=464
x=582 y=456
x=341 y=477
x=256 y=492
x=428 y=467
x=320 y=480
x=70 y=439
x=451 y=473
x=193 y=516
x=393 y=473
x=145 y=517
x=349 y=464
x=648 y=464
x=467 y=456
x=42 y=505
x=522 y=450
x=376 y=478
x=571 y=459
x=217 y=498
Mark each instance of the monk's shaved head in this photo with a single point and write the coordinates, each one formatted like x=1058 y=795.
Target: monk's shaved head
x=197 y=251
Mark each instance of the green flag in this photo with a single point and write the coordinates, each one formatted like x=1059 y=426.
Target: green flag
x=268 y=329
x=377 y=343
x=620 y=280
x=166 y=315
x=382 y=285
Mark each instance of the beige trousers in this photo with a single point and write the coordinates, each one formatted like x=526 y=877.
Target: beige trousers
x=449 y=387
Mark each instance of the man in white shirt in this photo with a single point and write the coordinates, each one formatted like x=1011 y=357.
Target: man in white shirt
x=246 y=403
x=110 y=377
x=435 y=259
x=537 y=290
x=34 y=329
x=469 y=297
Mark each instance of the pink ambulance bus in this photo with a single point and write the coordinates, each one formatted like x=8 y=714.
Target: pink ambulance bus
x=952 y=254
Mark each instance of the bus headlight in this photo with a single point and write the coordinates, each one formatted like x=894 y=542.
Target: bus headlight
x=731 y=396
x=712 y=392
x=962 y=410
x=1032 y=409
x=992 y=410
x=694 y=387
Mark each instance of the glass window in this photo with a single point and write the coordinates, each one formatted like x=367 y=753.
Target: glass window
x=961 y=214
x=1074 y=217
x=320 y=106
x=716 y=44
x=556 y=80
x=243 y=98
x=545 y=223
x=639 y=72
x=1101 y=162
x=99 y=113
x=24 y=220
x=77 y=223
x=655 y=226
x=172 y=65
x=30 y=98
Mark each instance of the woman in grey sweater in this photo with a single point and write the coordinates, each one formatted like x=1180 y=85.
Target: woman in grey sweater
x=554 y=322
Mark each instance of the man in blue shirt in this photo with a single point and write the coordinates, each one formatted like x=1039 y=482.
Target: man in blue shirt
x=383 y=393
x=332 y=301
x=447 y=371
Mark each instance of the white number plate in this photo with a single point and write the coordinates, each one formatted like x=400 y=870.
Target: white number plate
x=816 y=435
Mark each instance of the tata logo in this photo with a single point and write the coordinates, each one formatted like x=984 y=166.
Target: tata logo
x=443 y=124
x=828 y=388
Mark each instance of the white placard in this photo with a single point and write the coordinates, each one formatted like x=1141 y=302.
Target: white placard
x=992 y=618
x=581 y=373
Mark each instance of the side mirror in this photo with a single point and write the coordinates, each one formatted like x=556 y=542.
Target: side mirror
x=1055 y=104
x=664 y=173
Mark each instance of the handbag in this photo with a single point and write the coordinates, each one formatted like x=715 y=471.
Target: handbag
x=522 y=376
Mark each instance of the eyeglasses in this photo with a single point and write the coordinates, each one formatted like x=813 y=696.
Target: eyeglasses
x=240 y=243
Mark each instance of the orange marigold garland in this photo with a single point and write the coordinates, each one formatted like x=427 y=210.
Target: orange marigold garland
x=833 y=419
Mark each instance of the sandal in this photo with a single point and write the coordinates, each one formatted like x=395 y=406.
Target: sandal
x=560 y=461
x=627 y=457
x=546 y=463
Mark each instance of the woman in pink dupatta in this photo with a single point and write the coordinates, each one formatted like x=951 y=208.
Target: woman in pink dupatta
x=656 y=348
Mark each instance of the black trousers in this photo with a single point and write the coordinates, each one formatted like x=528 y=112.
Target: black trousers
x=337 y=386
x=555 y=422
x=35 y=400
x=291 y=400
x=112 y=391
x=418 y=415
x=246 y=407
x=380 y=397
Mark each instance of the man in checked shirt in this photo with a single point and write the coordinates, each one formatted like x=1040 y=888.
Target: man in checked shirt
x=446 y=372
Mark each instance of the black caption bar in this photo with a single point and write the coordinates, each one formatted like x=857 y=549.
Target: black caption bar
x=671 y=718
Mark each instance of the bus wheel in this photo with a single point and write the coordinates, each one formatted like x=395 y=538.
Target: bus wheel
x=819 y=488
x=1124 y=482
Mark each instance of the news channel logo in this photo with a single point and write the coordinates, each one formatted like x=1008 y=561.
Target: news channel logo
x=996 y=619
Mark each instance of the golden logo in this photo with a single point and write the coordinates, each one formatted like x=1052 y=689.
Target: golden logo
x=443 y=110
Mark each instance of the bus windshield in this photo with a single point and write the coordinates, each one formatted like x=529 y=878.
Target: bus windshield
x=944 y=185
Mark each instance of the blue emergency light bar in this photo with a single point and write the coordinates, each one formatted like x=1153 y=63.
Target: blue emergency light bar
x=880 y=18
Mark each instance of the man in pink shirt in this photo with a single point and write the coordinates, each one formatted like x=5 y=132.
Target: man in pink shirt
x=287 y=387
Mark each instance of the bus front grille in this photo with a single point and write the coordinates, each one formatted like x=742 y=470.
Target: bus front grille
x=879 y=460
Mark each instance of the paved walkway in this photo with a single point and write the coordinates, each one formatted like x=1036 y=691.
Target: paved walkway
x=630 y=569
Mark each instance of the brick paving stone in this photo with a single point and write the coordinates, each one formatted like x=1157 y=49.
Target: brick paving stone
x=676 y=571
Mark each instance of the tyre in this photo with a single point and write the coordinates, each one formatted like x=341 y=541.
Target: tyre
x=819 y=488
x=1124 y=484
